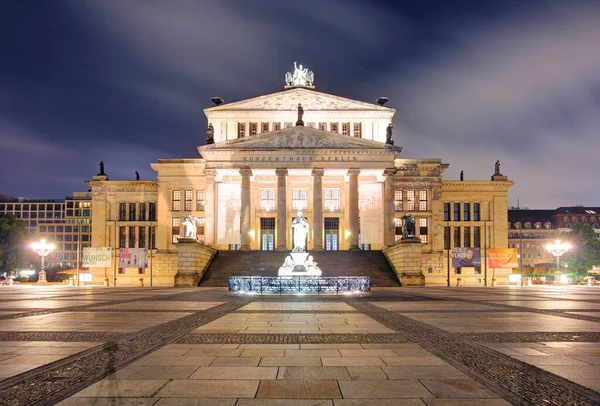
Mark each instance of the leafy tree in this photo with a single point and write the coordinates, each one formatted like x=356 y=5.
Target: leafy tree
x=584 y=253
x=12 y=239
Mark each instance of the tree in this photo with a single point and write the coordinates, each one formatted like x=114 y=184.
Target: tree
x=585 y=250
x=12 y=239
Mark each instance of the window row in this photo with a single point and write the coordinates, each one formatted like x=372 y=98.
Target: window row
x=331 y=199
x=36 y=215
x=66 y=229
x=453 y=212
x=410 y=200
x=528 y=224
x=137 y=211
x=245 y=129
x=31 y=206
x=188 y=200
x=583 y=219
x=468 y=237
x=421 y=231
x=137 y=237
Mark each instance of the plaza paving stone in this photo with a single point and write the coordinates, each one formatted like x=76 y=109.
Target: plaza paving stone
x=401 y=346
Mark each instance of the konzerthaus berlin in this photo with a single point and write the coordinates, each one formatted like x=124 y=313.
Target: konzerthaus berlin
x=299 y=150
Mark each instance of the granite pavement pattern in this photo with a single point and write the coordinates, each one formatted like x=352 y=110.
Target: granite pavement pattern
x=401 y=346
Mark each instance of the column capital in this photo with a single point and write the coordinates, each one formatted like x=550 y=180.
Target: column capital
x=281 y=172
x=353 y=171
x=318 y=172
x=389 y=171
x=210 y=172
x=246 y=172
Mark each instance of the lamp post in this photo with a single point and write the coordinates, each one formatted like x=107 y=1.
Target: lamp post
x=43 y=249
x=558 y=249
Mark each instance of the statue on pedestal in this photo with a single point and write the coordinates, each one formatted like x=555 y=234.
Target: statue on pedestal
x=190 y=226
x=388 y=134
x=101 y=169
x=408 y=226
x=301 y=77
x=300 y=115
x=497 y=169
x=210 y=134
x=300 y=227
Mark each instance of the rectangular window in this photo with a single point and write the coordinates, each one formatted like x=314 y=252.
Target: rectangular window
x=323 y=126
x=188 y=200
x=42 y=207
x=200 y=200
x=152 y=212
x=288 y=125
x=467 y=237
x=446 y=238
x=346 y=128
x=86 y=212
x=476 y=216
x=122 y=237
x=176 y=202
x=132 y=211
x=423 y=231
x=241 y=130
x=456 y=211
x=422 y=200
x=332 y=200
x=122 y=211
x=253 y=128
x=334 y=127
x=446 y=211
x=410 y=200
x=132 y=237
x=397 y=229
x=264 y=128
x=357 y=130
x=142 y=240
x=476 y=237
x=142 y=211
x=175 y=229
x=276 y=126
x=398 y=200
x=299 y=199
x=152 y=237
x=456 y=237
x=200 y=230
x=310 y=125
x=267 y=199
x=466 y=213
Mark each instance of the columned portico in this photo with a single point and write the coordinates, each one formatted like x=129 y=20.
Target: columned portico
x=388 y=206
x=245 y=209
x=209 y=207
x=281 y=208
x=353 y=208
x=317 y=175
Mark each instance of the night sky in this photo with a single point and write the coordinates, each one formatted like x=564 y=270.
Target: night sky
x=125 y=81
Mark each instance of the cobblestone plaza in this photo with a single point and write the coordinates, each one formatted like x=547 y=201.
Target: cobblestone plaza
x=198 y=346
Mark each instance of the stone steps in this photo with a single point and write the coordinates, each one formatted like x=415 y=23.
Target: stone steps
x=332 y=263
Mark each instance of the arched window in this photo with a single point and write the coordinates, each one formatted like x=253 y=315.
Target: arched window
x=574 y=219
x=584 y=219
x=566 y=219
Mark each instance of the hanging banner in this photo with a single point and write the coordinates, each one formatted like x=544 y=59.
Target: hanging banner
x=370 y=212
x=503 y=258
x=466 y=257
x=229 y=209
x=96 y=257
x=133 y=257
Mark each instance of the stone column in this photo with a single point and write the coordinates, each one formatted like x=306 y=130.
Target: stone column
x=210 y=213
x=353 y=208
x=388 y=207
x=281 y=208
x=317 y=225
x=245 y=214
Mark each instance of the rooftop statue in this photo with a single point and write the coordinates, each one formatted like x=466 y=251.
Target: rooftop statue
x=301 y=77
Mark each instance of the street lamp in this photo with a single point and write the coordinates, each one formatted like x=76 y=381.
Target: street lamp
x=43 y=249
x=558 y=249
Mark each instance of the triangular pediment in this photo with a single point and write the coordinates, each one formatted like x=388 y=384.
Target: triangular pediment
x=299 y=137
x=289 y=99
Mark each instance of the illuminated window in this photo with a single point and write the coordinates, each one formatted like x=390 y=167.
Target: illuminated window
x=122 y=237
x=200 y=200
x=357 y=130
x=176 y=203
x=346 y=128
x=132 y=237
x=323 y=126
x=476 y=237
x=241 y=130
x=142 y=237
x=288 y=125
x=188 y=200
x=267 y=199
x=175 y=229
x=299 y=199
x=467 y=237
x=200 y=230
x=332 y=199
x=423 y=231
x=410 y=200
x=264 y=127
x=457 y=237
x=397 y=229
x=276 y=126
x=334 y=127
x=253 y=128
x=398 y=200
x=422 y=200
x=311 y=125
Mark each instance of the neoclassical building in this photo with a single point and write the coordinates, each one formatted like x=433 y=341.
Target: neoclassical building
x=329 y=157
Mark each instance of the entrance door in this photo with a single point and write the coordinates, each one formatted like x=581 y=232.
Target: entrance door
x=267 y=233
x=332 y=225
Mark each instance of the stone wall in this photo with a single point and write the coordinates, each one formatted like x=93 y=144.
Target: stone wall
x=193 y=259
x=405 y=258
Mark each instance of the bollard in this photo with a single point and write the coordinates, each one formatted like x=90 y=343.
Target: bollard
x=458 y=282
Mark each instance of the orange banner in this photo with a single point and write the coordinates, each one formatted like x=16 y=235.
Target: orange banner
x=503 y=258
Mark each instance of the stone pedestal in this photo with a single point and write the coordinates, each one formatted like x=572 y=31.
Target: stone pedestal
x=405 y=259
x=42 y=277
x=193 y=259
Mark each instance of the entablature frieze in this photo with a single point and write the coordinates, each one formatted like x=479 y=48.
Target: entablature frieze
x=326 y=115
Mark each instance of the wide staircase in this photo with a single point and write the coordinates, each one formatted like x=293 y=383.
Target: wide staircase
x=267 y=263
